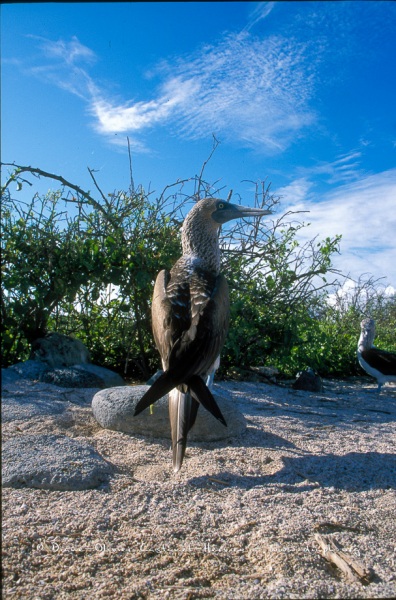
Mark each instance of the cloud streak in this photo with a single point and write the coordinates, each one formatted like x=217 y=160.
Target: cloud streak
x=260 y=12
x=251 y=92
x=132 y=117
x=362 y=212
x=66 y=66
x=343 y=169
x=68 y=52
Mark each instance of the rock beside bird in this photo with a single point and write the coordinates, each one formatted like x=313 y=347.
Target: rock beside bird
x=114 y=409
x=59 y=350
x=84 y=375
x=308 y=381
x=52 y=462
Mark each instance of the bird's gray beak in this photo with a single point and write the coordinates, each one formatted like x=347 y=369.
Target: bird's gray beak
x=235 y=211
x=245 y=211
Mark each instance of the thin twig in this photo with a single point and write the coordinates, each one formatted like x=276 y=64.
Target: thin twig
x=91 y=172
x=40 y=173
x=132 y=188
x=200 y=178
x=353 y=570
x=219 y=481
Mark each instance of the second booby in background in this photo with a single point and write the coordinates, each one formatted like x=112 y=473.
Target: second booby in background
x=377 y=363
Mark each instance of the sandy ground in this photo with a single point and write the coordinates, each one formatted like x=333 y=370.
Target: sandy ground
x=239 y=520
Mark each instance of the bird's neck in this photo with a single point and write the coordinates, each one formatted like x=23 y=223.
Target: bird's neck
x=200 y=243
x=366 y=340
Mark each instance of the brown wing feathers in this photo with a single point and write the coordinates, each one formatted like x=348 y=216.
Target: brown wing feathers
x=189 y=330
x=383 y=361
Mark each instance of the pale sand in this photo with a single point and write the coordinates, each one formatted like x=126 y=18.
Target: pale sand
x=239 y=520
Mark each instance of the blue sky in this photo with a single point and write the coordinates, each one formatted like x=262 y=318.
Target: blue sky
x=302 y=94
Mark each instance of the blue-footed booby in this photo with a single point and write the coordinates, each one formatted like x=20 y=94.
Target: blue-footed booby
x=377 y=363
x=190 y=315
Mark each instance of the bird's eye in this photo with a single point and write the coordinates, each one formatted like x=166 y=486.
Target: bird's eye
x=220 y=205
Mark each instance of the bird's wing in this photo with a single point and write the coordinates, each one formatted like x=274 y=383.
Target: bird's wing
x=195 y=350
x=171 y=310
x=160 y=314
x=190 y=323
x=383 y=361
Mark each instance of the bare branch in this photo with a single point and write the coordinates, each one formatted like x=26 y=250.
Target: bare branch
x=132 y=186
x=40 y=173
x=91 y=172
x=200 y=177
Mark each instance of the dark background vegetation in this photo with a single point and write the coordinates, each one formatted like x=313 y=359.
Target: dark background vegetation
x=85 y=266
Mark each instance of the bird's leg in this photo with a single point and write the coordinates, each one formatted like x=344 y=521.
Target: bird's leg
x=210 y=377
x=209 y=380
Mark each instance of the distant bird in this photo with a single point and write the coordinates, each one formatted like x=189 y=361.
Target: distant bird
x=377 y=363
x=190 y=314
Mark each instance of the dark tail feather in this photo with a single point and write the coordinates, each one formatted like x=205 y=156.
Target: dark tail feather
x=162 y=386
x=204 y=396
x=193 y=413
x=182 y=413
x=183 y=408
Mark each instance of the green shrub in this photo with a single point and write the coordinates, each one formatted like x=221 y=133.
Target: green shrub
x=57 y=271
x=86 y=268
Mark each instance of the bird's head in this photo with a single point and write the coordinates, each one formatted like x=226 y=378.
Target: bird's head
x=201 y=226
x=367 y=324
x=367 y=334
x=219 y=212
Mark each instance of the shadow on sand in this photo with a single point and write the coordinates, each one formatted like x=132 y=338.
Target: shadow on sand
x=353 y=472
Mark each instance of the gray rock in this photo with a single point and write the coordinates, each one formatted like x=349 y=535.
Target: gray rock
x=308 y=381
x=20 y=407
x=58 y=350
x=114 y=408
x=52 y=462
x=83 y=375
x=109 y=378
x=24 y=399
x=29 y=369
x=8 y=376
x=269 y=373
x=71 y=377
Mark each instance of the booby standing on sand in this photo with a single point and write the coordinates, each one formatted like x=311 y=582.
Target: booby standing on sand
x=377 y=363
x=190 y=314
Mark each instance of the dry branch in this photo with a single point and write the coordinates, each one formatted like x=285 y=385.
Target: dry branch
x=353 y=570
x=40 y=173
x=219 y=481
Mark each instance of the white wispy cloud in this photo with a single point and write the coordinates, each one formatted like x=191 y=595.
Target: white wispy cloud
x=343 y=169
x=252 y=92
x=259 y=12
x=131 y=117
x=64 y=64
x=295 y=192
x=70 y=52
x=362 y=211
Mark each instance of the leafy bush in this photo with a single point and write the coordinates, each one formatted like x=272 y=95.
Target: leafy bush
x=57 y=271
x=276 y=287
x=89 y=272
